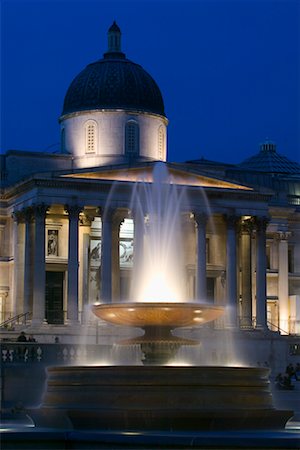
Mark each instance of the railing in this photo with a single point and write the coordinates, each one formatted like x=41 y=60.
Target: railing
x=50 y=354
x=8 y=323
x=272 y=326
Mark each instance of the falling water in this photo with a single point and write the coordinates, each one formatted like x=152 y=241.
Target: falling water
x=158 y=269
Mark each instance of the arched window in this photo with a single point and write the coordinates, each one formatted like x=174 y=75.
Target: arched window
x=161 y=143
x=132 y=138
x=90 y=136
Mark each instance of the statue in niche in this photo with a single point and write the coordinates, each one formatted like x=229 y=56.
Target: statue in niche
x=95 y=253
x=52 y=242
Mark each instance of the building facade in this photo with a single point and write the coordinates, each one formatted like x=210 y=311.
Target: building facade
x=69 y=234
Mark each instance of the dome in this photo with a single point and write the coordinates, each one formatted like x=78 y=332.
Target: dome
x=114 y=82
x=268 y=160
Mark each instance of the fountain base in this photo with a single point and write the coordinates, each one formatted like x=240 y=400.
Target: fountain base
x=159 y=397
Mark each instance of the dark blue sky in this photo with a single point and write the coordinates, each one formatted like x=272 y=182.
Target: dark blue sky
x=229 y=71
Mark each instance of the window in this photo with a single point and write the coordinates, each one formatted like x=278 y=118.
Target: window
x=161 y=143
x=132 y=138
x=90 y=136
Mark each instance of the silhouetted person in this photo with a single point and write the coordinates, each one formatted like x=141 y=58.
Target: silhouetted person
x=22 y=337
x=290 y=370
x=31 y=339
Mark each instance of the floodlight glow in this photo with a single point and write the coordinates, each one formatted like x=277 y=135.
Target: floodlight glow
x=158 y=287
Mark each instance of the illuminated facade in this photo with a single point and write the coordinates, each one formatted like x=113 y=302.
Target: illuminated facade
x=67 y=242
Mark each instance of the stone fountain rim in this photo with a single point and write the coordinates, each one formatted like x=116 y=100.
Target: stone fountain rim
x=165 y=368
x=152 y=314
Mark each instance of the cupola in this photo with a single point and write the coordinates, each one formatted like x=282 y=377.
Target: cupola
x=113 y=111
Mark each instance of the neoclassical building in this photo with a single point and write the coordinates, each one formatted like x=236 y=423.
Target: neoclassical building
x=70 y=235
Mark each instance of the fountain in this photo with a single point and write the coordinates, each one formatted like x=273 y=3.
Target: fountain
x=157 y=395
x=158 y=344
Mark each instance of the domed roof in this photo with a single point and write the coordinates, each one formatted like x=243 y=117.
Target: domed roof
x=114 y=82
x=268 y=160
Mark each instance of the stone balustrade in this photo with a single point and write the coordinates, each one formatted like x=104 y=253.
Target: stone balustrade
x=51 y=354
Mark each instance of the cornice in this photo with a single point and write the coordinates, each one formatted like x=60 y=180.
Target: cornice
x=104 y=186
x=33 y=183
x=88 y=112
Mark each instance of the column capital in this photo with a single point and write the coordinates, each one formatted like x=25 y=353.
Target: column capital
x=108 y=214
x=39 y=210
x=118 y=217
x=18 y=216
x=200 y=217
x=28 y=214
x=247 y=225
x=88 y=216
x=231 y=220
x=73 y=211
x=261 y=223
x=283 y=235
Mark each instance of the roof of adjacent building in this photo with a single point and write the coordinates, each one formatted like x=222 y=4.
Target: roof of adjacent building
x=268 y=160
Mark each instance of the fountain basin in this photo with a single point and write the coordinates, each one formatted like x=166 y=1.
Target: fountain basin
x=155 y=314
x=160 y=398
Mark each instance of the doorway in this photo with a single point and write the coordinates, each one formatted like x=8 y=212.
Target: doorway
x=54 y=297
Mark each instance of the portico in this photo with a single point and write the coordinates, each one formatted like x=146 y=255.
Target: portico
x=96 y=247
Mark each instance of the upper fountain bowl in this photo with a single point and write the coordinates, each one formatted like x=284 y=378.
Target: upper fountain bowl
x=150 y=314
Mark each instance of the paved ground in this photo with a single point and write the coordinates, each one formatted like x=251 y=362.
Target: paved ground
x=288 y=400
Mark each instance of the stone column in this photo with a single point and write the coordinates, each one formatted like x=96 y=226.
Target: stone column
x=17 y=217
x=2 y=233
x=39 y=266
x=231 y=270
x=73 y=261
x=261 y=273
x=246 y=228
x=29 y=216
x=201 y=285
x=138 y=246
x=283 y=281
x=116 y=223
x=106 y=256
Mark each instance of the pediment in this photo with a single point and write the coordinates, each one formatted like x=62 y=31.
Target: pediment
x=145 y=174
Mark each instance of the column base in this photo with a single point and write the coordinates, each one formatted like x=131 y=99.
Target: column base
x=231 y=327
x=263 y=328
x=36 y=323
x=72 y=323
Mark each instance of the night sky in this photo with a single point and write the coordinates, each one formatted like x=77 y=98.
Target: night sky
x=229 y=71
